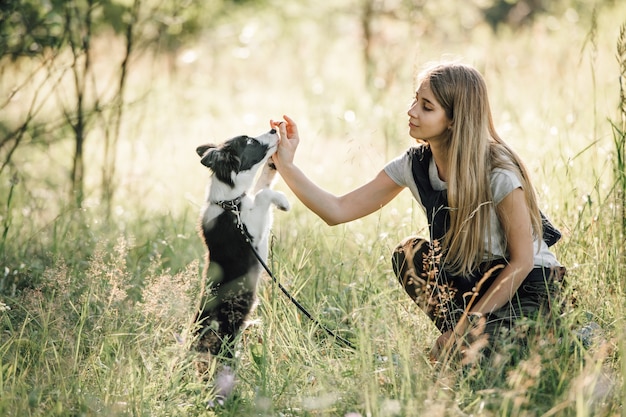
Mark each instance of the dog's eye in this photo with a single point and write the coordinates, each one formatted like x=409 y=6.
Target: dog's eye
x=250 y=141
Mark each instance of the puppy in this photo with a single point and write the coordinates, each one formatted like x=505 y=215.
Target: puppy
x=235 y=222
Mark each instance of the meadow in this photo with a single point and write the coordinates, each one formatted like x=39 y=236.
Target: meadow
x=94 y=312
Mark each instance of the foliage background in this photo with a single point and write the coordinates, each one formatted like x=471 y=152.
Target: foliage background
x=102 y=105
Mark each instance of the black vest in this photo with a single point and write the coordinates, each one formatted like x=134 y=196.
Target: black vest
x=436 y=201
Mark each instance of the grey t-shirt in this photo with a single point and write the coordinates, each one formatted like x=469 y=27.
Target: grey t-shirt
x=502 y=183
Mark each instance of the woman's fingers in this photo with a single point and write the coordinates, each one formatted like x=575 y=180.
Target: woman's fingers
x=291 y=127
x=287 y=129
x=274 y=124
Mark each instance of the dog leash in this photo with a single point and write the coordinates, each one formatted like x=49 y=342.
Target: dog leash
x=234 y=208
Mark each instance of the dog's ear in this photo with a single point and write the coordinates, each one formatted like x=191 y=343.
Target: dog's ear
x=223 y=162
x=216 y=158
x=201 y=150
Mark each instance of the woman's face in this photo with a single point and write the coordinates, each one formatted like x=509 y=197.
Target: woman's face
x=427 y=118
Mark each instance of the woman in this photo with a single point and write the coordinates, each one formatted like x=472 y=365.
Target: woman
x=486 y=263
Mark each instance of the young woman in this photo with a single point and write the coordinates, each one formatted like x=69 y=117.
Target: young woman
x=486 y=262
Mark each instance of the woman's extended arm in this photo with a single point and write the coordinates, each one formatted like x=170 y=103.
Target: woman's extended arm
x=332 y=209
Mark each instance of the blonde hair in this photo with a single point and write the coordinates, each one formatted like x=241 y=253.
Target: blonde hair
x=474 y=149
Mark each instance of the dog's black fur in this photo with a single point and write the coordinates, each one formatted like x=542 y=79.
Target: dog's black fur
x=232 y=270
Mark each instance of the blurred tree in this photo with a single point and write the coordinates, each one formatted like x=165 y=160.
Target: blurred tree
x=112 y=127
x=516 y=14
x=512 y=13
x=380 y=59
x=26 y=27
x=45 y=31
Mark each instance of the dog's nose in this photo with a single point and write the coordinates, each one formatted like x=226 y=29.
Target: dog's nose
x=273 y=131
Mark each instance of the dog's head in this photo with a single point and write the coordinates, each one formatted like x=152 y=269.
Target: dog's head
x=238 y=155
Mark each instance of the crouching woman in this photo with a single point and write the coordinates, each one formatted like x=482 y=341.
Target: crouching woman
x=487 y=260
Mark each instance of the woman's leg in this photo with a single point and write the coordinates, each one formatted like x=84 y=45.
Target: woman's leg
x=536 y=297
x=415 y=263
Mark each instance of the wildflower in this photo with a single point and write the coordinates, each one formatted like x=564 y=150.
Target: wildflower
x=4 y=307
x=165 y=297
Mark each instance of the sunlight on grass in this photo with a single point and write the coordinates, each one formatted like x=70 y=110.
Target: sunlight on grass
x=95 y=315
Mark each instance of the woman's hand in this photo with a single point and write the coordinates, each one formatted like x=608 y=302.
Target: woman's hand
x=288 y=143
x=332 y=209
x=442 y=346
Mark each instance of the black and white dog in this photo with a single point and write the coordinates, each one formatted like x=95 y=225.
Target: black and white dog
x=235 y=222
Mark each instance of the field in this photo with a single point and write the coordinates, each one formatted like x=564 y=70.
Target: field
x=94 y=312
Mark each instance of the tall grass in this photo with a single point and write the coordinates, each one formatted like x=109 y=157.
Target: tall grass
x=619 y=131
x=94 y=316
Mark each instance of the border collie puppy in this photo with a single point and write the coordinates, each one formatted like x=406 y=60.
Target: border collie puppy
x=235 y=222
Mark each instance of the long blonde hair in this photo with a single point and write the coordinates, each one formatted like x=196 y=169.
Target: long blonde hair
x=474 y=149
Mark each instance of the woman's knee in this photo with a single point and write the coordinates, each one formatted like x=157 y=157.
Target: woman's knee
x=408 y=261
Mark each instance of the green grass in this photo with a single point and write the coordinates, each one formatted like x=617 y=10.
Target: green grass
x=91 y=313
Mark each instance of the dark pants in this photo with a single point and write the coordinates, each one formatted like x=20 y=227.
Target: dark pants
x=444 y=298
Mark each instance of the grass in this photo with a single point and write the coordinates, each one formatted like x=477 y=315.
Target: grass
x=92 y=314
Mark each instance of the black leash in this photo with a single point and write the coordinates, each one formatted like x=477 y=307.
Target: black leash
x=233 y=207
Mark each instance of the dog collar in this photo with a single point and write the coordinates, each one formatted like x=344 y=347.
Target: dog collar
x=231 y=205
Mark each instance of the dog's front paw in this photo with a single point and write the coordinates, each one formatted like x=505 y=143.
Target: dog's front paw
x=281 y=202
x=269 y=167
x=268 y=173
